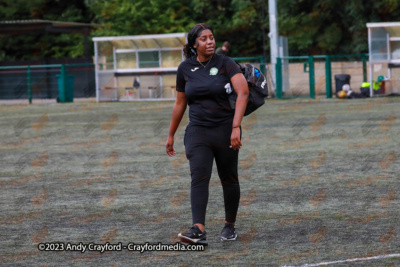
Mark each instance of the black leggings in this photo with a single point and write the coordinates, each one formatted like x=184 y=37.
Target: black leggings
x=202 y=145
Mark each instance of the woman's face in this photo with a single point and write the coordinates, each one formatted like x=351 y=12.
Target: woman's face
x=205 y=43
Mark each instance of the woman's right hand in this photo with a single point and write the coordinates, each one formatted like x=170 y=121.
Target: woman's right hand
x=170 y=146
x=177 y=114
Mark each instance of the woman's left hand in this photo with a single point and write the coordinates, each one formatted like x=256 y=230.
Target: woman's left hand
x=235 y=139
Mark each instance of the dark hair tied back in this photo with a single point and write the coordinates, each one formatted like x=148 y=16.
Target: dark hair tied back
x=188 y=49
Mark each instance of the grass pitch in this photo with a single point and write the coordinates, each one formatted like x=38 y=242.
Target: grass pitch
x=319 y=183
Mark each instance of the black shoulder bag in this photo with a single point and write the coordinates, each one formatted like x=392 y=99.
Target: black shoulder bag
x=258 y=89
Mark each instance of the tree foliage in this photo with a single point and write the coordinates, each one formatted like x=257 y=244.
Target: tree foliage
x=331 y=26
x=125 y=17
x=51 y=45
x=312 y=26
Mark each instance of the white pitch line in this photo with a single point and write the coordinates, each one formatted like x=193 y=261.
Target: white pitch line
x=349 y=260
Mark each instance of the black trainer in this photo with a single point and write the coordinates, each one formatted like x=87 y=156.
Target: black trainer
x=194 y=236
x=228 y=233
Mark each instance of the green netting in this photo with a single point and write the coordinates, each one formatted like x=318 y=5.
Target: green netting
x=41 y=81
x=313 y=76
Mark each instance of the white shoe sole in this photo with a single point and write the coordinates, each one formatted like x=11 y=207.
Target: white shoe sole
x=229 y=239
x=192 y=241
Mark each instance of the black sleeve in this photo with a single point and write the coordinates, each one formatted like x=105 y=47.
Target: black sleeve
x=180 y=80
x=232 y=68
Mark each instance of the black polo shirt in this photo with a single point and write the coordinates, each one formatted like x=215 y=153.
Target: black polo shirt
x=205 y=89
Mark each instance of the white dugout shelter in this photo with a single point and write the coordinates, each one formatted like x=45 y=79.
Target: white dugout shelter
x=384 y=55
x=140 y=67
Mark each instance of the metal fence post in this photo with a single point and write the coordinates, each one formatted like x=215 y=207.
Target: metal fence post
x=364 y=62
x=29 y=82
x=62 y=92
x=262 y=65
x=328 y=76
x=278 y=71
x=312 y=76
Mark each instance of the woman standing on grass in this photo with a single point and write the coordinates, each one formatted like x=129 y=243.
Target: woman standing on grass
x=203 y=83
